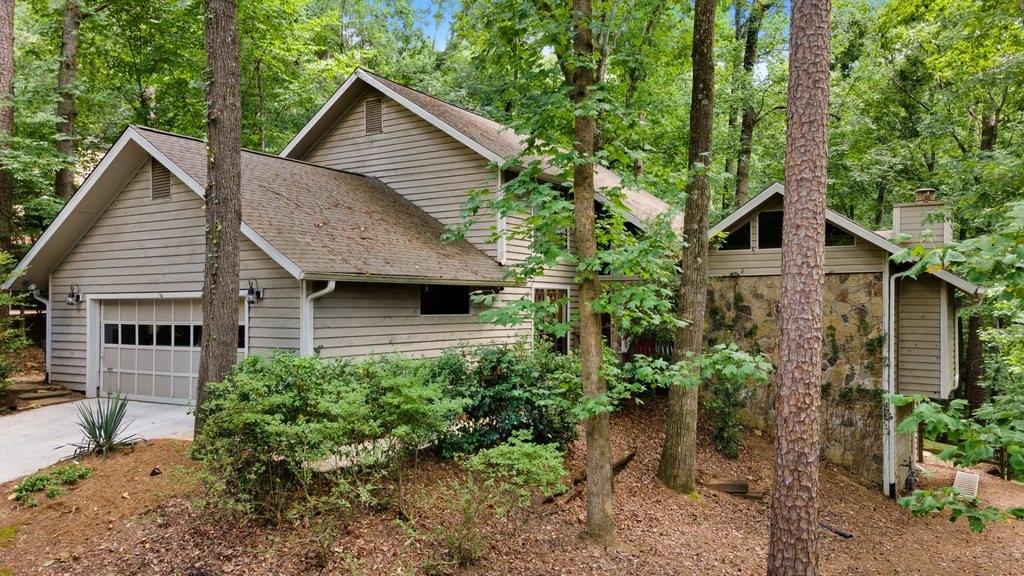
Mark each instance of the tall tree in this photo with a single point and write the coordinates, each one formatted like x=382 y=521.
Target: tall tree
x=749 y=121
x=583 y=76
x=6 y=122
x=793 y=537
x=223 y=196
x=67 y=111
x=679 y=453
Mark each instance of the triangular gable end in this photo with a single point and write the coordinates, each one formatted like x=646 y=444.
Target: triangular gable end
x=840 y=221
x=93 y=197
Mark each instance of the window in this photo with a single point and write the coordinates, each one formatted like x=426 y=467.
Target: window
x=436 y=299
x=738 y=239
x=836 y=236
x=146 y=334
x=769 y=229
x=182 y=335
x=128 y=334
x=241 y=337
x=197 y=336
x=159 y=180
x=557 y=320
x=163 y=335
x=373 y=116
x=110 y=334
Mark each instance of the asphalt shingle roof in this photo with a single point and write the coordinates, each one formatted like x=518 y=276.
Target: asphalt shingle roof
x=334 y=223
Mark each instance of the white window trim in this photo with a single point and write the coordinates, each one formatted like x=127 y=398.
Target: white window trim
x=568 y=307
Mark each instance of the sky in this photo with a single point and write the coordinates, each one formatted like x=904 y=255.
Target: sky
x=437 y=31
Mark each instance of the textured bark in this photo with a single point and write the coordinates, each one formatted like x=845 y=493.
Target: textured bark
x=975 y=363
x=735 y=85
x=793 y=534
x=600 y=523
x=753 y=30
x=67 y=111
x=879 y=205
x=223 y=197
x=679 y=452
x=6 y=120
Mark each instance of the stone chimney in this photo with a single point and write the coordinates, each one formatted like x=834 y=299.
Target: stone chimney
x=916 y=220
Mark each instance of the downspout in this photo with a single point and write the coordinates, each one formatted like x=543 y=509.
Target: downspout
x=306 y=337
x=889 y=421
x=36 y=293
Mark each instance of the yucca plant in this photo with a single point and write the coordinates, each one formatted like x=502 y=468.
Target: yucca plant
x=104 y=425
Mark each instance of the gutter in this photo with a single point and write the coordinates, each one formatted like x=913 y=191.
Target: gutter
x=36 y=293
x=306 y=319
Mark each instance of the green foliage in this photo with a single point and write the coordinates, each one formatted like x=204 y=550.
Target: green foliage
x=288 y=435
x=513 y=388
x=104 y=428
x=730 y=377
x=498 y=481
x=12 y=336
x=51 y=483
x=924 y=502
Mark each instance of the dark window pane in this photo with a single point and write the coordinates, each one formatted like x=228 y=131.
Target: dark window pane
x=836 y=236
x=182 y=335
x=769 y=230
x=110 y=333
x=241 y=336
x=146 y=334
x=738 y=239
x=128 y=334
x=556 y=322
x=197 y=336
x=163 y=335
x=444 y=299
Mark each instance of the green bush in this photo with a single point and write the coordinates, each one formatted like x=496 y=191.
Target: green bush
x=12 y=335
x=510 y=389
x=104 y=426
x=730 y=378
x=283 y=434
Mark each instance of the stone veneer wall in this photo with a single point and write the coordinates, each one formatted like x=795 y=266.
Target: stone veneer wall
x=744 y=310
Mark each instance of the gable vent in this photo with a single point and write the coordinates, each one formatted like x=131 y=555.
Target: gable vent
x=160 y=180
x=372 y=112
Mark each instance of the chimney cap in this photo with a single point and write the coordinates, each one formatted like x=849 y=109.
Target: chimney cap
x=924 y=195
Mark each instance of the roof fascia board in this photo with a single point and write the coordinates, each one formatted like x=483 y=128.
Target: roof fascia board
x=320 y=114
x=407 y=280
x=275 y=254
x=69 y=208
x=746 y=209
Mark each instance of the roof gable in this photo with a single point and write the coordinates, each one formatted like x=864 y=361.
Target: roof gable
x=491 y=140
x=836 y=219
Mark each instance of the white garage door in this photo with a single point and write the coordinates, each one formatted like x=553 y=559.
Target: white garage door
x=150 y=348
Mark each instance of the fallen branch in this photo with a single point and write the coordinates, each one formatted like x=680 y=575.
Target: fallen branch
x=841 y=533
x=577 y=484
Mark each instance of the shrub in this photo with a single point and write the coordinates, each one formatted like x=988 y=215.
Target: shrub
x=104 y=426
x=730 y=378
x=498 y=480
x=284 y=434
x=49 y=483
x=509 y=389
x=12 y=336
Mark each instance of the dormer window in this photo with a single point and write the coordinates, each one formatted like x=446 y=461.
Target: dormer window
x=372 y=114
x=159 y=181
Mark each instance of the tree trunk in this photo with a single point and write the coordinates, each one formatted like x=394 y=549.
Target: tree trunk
x=975 y=364
x=879 y=205
x=735 y=86
x=223 y=197
x=7 y=230
x=600 y=523
x=793 y=534
x=679 y=453
x=67 y=111
x=749 y=114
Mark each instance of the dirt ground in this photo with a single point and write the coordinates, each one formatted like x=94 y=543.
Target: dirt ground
x=125 y=521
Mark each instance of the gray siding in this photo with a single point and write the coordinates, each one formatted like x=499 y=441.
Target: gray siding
x=912 y=219
x=918 y=306
x=358 y=320
x=140 y=245
x=417 y=160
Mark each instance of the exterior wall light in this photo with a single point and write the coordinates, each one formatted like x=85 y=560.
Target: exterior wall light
x=74 y=295
x=253 y=294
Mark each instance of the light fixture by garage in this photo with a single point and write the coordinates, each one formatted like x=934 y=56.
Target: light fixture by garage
x=253 y=294
x=74 y=295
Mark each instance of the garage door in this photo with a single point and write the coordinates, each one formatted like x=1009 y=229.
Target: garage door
x=150 y=348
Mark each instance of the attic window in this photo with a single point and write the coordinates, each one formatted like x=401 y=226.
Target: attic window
x=159 y=181
x=372 y=113
x=738 y=239
x=836 y=236
x=769 y=229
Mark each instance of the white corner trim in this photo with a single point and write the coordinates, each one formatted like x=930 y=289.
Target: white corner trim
x=944 y=372
x=319 y=115
x=746 y=209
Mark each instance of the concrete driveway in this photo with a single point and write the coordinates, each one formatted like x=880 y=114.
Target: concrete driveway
x=40 y=437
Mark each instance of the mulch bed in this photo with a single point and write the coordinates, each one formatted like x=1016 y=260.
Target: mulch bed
x=157 y=526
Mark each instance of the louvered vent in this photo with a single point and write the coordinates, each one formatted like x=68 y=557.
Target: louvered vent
x=374 y=122
x=160 y=180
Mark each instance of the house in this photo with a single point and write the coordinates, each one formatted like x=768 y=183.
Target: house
x=883 y=330
x=341 y=251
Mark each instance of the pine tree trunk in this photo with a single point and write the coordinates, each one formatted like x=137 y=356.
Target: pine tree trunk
x=749 y=114
x=7 y=231
x=793 y=535
x=600 y=523
x=975 y=363
x=67 y=111
x=223 y=197
x=677 y=468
